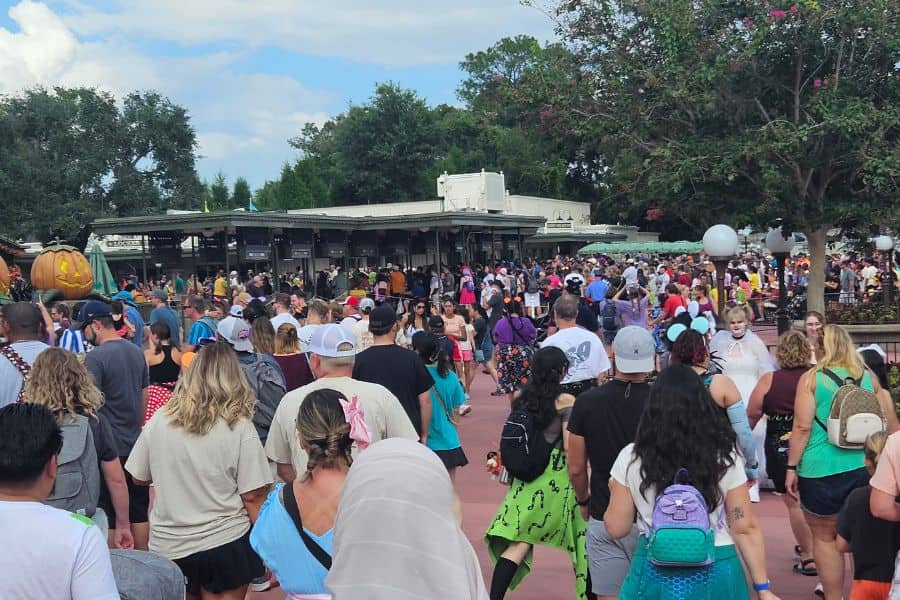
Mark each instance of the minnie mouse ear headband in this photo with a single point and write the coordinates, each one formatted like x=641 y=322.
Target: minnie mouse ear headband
x=698 y=324
x=874 y=348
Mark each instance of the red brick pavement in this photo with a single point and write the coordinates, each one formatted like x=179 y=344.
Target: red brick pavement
x=552 y=574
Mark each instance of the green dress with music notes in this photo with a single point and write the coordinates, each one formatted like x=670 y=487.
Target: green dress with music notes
x=542 y=512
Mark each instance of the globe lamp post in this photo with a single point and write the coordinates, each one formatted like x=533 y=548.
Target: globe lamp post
x=780 y=247
x=885 y=245
x=720 y=244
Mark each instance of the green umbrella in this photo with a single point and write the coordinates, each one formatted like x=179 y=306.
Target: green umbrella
x=103 y=280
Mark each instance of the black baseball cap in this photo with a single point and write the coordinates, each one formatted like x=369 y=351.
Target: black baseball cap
x=382 y=318
x=91 y=311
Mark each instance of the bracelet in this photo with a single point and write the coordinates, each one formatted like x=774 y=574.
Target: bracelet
x=583 y=503
x=761 y=587
x=790 y=467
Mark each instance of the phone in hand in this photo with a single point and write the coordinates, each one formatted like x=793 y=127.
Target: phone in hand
x=36 y=297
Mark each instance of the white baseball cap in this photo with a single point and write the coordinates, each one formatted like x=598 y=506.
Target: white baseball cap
x=236 y=332
x=366 y=305
x=634 y=350
x=327 y=340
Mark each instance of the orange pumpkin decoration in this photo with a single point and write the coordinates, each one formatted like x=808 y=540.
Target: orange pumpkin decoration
x=63 y=268
x=4 y=277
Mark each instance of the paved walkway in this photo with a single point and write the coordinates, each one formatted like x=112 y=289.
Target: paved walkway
x=552 y=575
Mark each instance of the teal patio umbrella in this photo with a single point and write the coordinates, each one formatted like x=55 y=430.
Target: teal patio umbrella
x=104 y=283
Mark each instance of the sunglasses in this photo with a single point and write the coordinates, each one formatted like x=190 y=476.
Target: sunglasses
x=420 y=306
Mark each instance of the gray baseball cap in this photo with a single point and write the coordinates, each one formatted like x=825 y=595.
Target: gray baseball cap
x=634 y=350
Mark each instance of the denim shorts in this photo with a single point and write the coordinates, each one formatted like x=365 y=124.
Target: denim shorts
x=488 y=348
x=824 y=496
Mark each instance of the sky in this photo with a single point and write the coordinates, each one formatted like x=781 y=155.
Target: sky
x=251 y=73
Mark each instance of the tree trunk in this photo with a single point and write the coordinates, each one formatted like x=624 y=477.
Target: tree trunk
x=816 y=239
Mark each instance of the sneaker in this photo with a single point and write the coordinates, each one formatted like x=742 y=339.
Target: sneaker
x=464 y=410
x=260 y=584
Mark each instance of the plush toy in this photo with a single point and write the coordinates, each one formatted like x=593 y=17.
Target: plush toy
x=494 y=464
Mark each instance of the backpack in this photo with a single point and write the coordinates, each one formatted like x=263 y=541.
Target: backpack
x=268 y=387
x=531 y=283
x=525 y=451
x=77 y=485
x=146 y=576
x=608 y=316
x=681 y=534
x=855 y=414
x=10 y=354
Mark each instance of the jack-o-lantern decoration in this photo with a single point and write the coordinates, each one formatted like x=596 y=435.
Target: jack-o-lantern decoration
x=63 y=268
x=4 y=278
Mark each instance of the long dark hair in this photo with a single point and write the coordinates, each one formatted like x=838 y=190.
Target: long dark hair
x=875 y=363
x=161 y=330
x=682 y=427
x=426 y=346
x=548 y=367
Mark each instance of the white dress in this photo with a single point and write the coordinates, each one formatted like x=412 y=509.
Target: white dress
x=745 y=360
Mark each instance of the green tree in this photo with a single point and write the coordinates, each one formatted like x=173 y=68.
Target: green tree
x=219 y=198
x=742 y=111
x=375 y=152
x=69 y=156
x=241 y=195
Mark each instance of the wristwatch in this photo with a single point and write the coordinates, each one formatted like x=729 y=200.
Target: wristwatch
x=583 y=503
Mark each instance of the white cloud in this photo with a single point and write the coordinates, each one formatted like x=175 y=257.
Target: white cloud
x=394 y=33
x=243 y=120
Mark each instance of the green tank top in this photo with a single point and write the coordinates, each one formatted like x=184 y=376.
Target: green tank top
x=822 y=459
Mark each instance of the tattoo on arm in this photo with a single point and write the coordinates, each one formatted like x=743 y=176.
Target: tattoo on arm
x=736 y=514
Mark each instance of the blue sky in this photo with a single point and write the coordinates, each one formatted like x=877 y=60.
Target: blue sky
x=252 y=72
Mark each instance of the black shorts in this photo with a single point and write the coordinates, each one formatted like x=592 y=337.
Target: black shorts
x=228 y=567
x=138 y=500
x=777 y=448
x=452 y=458
x=824 y=496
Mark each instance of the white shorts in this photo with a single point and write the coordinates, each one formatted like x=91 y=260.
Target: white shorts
x=533 y=300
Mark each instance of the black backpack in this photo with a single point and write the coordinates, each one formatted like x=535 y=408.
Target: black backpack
x=609 y=316
x=531 y=283
x=523 y=449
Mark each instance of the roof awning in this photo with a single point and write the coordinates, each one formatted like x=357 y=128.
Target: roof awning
x=643 y=248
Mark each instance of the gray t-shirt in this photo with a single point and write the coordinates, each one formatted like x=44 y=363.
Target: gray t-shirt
x=168 y=316
x=120 y=371
x=10 y=378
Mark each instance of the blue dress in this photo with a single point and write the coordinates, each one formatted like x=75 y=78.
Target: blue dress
x=275 y=539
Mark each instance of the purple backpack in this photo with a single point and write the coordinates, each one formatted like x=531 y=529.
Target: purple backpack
x=681 y=534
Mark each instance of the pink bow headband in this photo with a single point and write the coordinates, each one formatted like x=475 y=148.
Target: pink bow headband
x=353 y=413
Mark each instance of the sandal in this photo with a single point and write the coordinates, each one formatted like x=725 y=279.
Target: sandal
x=498 y=393
x=802 y=568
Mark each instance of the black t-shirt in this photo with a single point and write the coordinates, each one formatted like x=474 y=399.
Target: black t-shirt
x=481 y=328
x=399 y=370
x=552 y=297
x=495 y=303
x=607 y=418
x=874 y=541
x=587 y=318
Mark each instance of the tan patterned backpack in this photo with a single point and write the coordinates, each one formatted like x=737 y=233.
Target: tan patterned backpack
x=855 y=414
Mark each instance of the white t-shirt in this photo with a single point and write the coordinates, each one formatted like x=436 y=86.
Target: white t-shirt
x=587 y=356
x=199 y=480
x=382 y=412
x=10 y=378
x=364 y=338
x=279 y=320
x=627 y=471
x=51 y=553
x=349 y=323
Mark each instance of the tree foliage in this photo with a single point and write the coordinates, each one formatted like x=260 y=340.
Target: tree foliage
x=741 y=111
x=68 y=156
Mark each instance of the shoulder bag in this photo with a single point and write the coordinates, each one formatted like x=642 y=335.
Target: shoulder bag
x=290 y=505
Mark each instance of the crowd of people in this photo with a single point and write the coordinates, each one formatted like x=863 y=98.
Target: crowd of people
x=305 y=433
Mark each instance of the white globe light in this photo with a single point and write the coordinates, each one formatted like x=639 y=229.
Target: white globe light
x=776 y=242
x=884 y=243
x=720 y=241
